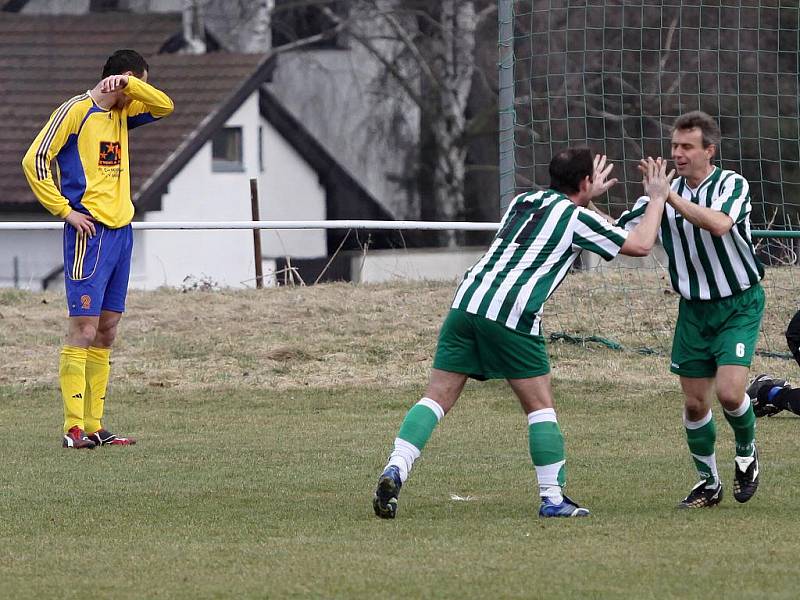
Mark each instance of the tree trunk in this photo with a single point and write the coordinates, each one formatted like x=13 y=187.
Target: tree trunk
x=452 y=52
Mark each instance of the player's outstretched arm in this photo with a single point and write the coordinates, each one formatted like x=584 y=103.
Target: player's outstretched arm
x=656 y=182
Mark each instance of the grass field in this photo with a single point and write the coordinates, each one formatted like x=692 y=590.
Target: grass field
x=265 y=417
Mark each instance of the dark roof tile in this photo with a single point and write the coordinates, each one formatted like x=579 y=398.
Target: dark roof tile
x=47 y=60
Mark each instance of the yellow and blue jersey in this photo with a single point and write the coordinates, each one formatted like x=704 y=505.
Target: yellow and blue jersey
x=90 y=147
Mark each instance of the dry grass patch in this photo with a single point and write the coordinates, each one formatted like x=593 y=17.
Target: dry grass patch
x=264 y=417
x=327 y=335
x=346 y=335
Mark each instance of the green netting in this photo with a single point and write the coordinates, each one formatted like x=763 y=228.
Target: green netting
x=614 y=74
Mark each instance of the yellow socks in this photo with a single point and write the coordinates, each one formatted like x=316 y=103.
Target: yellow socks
x=72 y=376
x=98 y=367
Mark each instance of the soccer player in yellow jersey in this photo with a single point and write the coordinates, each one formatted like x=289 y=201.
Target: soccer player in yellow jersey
x=87 y=136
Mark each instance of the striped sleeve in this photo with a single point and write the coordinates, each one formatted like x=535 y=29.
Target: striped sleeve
x=592 y=232
x=64 y=121
x=733 y=197
x=631 y=218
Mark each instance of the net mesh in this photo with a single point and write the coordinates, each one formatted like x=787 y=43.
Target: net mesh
x=614 y=74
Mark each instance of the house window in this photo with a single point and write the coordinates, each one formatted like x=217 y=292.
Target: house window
x=226 y=150
x=292 y=21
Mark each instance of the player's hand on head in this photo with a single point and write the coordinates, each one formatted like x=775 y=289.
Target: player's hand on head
x=600 y=182
x=113 y=83
x=83 y=223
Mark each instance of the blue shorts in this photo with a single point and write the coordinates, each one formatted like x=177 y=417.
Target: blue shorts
x=96 y=269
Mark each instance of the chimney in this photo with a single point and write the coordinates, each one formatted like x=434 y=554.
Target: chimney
x=193 y=28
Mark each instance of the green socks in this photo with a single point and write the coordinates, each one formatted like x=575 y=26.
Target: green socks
x=415 y=432
x=702 y=436
x=420 y=422
x=743 y=422
x=546 y=444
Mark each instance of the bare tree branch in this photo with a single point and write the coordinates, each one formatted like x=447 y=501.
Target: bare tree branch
x=414 y=49
x=370 y=47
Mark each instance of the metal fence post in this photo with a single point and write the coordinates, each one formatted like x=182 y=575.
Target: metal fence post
x=505 y=26
x=256 y=234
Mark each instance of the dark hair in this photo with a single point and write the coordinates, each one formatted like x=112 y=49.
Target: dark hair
x=569 y=167
x=125 y=60
x=704 y=122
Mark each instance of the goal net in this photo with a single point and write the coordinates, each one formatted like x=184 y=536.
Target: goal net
x=614 y=74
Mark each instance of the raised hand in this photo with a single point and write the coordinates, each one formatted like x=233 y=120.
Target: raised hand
x=655 y=179
x=113 y=83
x=601 y=170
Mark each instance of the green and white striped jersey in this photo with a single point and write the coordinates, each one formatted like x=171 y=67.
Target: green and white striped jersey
x=539 y=238
x=701 y=266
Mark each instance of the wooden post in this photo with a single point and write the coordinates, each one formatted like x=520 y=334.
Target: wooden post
x=256 y=233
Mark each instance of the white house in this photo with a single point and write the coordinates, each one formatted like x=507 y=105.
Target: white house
x=197 y=164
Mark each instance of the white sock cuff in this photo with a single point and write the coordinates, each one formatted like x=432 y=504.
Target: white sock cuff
x=705 y=459
x=545 y=415
x=411 y=449
x=738 y=412
x=434 y=406
x=696 y=424
x=547 y=475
